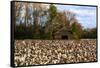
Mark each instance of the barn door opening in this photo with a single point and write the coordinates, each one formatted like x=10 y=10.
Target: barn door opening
x=64 y=37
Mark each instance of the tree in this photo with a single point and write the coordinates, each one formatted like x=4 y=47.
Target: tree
x=94 y=32
x=49 y=27
x=65 y=19
x=52 y=12
x=38 y=12
x=76 y=30
x=90 y=33
x=70 y=16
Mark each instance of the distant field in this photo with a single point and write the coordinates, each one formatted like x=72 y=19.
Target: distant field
x=36 y=52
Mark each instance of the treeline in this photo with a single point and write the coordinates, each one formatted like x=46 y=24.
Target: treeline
x=90 y=33
x=43 y=22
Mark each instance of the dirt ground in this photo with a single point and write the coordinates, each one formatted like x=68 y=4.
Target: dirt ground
x=41 y=52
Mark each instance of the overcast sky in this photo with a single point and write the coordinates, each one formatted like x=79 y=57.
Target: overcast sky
x=86 y=15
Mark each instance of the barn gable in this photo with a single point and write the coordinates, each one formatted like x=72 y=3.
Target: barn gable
x=63 y=33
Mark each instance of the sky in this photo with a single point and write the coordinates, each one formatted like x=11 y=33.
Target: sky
x=86 y=15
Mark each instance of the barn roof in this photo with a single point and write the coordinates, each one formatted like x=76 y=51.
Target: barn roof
x=64 y=31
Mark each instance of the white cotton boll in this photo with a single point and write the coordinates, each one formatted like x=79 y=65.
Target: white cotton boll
x=70 y=50
x=16 y=64
x=25 y=50
x=23 y=42
x=64 y=55
x=54 y=61
x=85 y=54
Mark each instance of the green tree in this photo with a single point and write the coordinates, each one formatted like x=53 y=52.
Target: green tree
x=49 y=27
x=94 y=32
x=90 y=33
x=52 y=12
x=76 y=30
